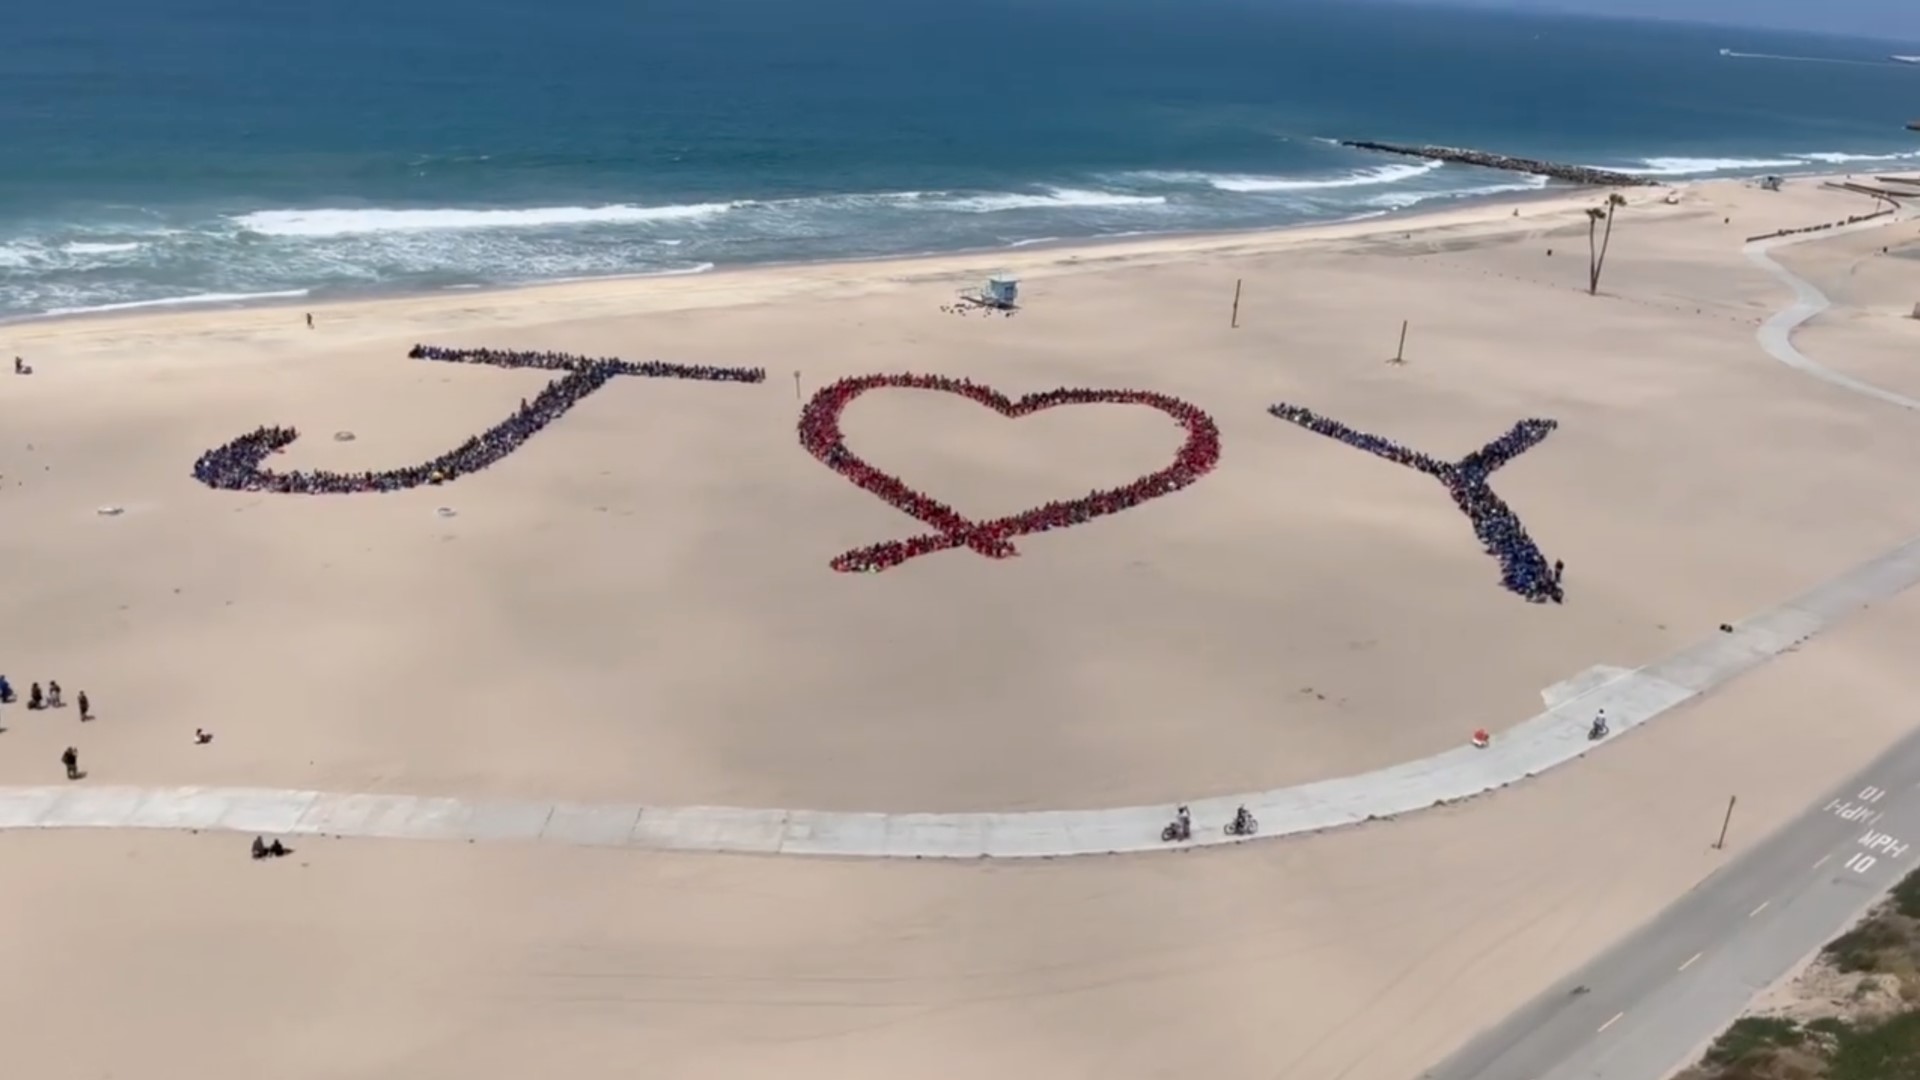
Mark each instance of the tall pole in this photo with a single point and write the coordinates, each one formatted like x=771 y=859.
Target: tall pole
x=1721 y=844
x=1236 y=305
x=1400 y=354
x=796 y=386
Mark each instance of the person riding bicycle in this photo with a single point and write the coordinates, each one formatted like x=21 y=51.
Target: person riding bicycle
x=1242 y=822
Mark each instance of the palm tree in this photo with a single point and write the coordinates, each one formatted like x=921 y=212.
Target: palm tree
x=1597 y=255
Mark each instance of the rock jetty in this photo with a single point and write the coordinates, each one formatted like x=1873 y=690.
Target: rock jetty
x=1575 y=174
x=1867 y=189
x=1854 y=219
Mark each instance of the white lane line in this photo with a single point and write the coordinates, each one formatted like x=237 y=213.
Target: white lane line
x=1758 y=910
x=1823 y=861
x=1615 y=1020
x=1690 y=960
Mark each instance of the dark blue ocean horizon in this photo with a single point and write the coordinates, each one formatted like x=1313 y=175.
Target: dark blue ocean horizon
x=200 y=150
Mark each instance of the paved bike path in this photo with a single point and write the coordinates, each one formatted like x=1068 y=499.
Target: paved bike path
x=1649 y=1003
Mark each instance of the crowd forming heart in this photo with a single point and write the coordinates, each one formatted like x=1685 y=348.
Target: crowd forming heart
x=238 y=464
x=820 y=434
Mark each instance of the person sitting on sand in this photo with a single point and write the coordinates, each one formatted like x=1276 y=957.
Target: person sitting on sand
x=20 y=367
x=34 y=698
x=202 y=738
x=262 y=849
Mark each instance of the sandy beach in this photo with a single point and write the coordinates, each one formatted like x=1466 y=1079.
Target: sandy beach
x=638 y=605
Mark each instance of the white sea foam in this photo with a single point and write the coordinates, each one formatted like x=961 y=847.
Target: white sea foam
x=1699 y=166
x=676 y=271
x=117 y=261
x=180 y=301
x=1379 y=174
x=1400 y=200
x=84 y=247
x=1688 y=166
x=862 y=200
x=1052 y=199
x=43 y=254
x=1839 y=158
x=342 y=222
x=1159 y=176
x=20 y=255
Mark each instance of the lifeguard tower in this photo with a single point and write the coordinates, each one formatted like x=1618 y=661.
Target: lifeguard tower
x=1001 y=292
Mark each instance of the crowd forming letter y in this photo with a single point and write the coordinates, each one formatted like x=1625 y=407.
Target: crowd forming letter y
x=1523 y=569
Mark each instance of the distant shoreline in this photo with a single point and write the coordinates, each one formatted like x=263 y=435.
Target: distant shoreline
x=739 y=283
x=1313 y=191
x=1420 y=215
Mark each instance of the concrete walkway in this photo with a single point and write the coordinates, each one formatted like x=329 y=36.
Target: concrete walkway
x=1776 y=334
x=1549 y=739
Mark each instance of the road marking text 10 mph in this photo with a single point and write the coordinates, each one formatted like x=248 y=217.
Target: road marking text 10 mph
x=1886 y=845
x=1875 y=843
x=1848 y=810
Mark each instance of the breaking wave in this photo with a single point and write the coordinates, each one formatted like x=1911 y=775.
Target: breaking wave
x=1706 y=166
x=1248 y=184
x=331 y=222
x=1052 y=199
x=1402 y=200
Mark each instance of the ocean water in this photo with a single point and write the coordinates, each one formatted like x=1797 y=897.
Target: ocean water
x=157 y=152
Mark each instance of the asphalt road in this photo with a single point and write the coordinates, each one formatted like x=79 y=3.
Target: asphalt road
x=1649 y=1004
